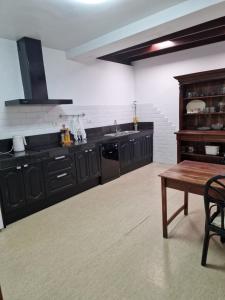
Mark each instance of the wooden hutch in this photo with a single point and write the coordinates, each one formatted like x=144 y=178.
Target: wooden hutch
x=195 y=127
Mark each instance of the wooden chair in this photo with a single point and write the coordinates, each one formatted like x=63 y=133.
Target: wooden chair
x=214 y=199
x=1 y=297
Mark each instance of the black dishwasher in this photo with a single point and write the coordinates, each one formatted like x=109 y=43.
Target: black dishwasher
x=110 y=165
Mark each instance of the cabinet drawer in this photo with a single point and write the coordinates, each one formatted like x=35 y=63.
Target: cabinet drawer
x=61 y=181
x=58 y=163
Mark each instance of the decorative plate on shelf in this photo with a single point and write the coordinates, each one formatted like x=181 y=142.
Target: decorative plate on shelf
x=195 y=106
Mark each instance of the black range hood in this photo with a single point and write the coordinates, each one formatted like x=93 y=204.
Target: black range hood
x=33 y=75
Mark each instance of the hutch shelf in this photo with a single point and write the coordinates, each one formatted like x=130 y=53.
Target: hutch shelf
x=201 y=116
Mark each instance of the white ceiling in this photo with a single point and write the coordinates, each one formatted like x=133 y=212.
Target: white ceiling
x=89 y=31
x=64 y=24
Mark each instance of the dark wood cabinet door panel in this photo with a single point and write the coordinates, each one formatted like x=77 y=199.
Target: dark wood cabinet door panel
x=94 y=169
x=12 y=186
x=136 y=149
x=82 y=165
x=148 y=146
x=125 y=155
x=34 y=183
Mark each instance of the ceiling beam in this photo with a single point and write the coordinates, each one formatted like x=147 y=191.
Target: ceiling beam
x=195 y=36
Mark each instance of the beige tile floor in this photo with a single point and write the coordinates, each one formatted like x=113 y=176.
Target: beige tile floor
x=106 y=243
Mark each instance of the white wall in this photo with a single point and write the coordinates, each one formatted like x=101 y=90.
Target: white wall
x=100 y=82
x=164 y=141
x=154 y=82
x=155 y=86
x=103 y=90
x=10 y=78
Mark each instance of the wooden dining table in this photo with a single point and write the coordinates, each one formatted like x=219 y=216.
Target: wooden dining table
x=189 y=177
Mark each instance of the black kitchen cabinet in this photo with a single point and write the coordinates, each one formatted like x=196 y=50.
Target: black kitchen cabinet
x=34 y=182
x=60 y=175
x=82 y=166
x=60 y=182
x=59 y=162
x=147 y=147
x=12 y=189
x=125 y=156
x=87 y=164
x=135 y=152
x=94 y=170
x=130 y=154
x=21 y=187
x=28 y=185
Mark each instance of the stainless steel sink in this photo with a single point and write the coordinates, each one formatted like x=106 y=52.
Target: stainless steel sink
x=121 y=133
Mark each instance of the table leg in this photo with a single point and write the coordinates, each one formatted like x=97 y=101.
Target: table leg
x=185 y=203
x=1 y=298
x=164 y=207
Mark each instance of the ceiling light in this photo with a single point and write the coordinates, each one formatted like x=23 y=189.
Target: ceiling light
x=91 y=1
x=164 y=45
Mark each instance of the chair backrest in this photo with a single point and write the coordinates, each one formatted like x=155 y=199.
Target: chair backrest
x=215 y=193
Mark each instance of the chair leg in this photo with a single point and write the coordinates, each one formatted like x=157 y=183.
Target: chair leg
x=205 y=248
x=222 y=239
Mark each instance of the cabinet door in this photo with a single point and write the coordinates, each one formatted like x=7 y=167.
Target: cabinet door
x=125 y=155
x=82 y=167
x=148 y=147
x=34 y=183
x=12 y=189
x=94 y=170
x=136 y=150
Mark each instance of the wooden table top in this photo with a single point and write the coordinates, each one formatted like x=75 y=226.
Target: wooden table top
x=196 y=173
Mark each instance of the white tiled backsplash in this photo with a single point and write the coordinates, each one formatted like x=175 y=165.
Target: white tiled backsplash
x=25 y=120
x=164 y=138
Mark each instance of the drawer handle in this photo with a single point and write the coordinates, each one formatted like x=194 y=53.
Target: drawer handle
x=61 y=175
x=18 y=167
x=147 y=136
x=90 y=150
x=59 y=157
x=86 y=151
x=132 y=140
x=25 y=166
x=110 y=152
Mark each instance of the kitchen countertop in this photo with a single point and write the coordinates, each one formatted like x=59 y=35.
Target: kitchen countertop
x=8 y=160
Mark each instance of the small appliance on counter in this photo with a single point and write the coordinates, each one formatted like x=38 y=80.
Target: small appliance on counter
x=65 y=136
x=19 y=143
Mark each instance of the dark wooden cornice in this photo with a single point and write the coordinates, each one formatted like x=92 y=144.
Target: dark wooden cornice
x=201 y=76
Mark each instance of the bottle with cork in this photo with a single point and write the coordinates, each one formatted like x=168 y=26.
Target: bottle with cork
x=65 y=136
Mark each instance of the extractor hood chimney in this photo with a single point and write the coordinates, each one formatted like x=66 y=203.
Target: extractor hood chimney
x=33 y=75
